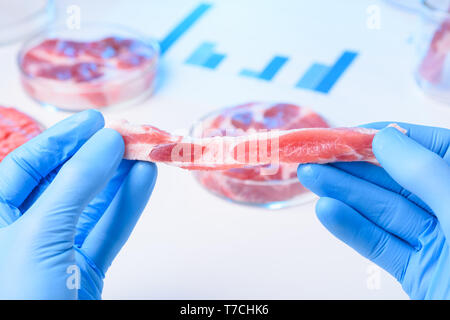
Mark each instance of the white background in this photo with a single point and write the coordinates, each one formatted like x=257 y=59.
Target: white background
x=192 y=245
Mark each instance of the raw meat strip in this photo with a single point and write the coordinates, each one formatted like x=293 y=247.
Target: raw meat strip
x=76 y=75
x=16 y=128
x=239 y=173
x=262 y=185
x=252 y=117
x=311 y=145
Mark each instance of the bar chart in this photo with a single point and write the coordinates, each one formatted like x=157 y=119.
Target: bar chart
x=318 y=77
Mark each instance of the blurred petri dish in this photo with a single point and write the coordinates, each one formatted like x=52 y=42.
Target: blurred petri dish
x=21 y=18
x=96 y=66
x=263 y=186
x=432 y=72
x=409 y=5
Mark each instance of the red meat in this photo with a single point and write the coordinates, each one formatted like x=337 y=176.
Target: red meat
x=249 y=147
x=227 y=149
x=432 y=64
x=16 y=128
x=77 y=75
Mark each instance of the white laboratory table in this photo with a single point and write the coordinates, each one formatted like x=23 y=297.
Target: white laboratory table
x=190 y=244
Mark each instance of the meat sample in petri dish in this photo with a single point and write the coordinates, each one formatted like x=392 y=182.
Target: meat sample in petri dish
x=265 y=186
x=72 y=73
x=432 y=73
x=16 y=128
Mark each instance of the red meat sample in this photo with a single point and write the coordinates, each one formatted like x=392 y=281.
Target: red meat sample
x=264 y=185
x=16 y=128
x=250 y=153
x=77 y=75
x=432 y=64
x=219 y=152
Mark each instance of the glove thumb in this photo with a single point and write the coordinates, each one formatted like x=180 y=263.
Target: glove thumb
x=417 y=169
x=55 y=213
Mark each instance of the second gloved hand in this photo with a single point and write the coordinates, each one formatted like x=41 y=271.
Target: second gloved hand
x=397 y=216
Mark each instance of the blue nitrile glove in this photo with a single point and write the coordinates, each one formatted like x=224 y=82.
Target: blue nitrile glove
x=399 y=216
x=68 y=204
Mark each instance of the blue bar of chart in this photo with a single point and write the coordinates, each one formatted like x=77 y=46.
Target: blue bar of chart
x=313 y=76
x=269 y=71
x=321 y=78
x=205 y=56
x=183 y=26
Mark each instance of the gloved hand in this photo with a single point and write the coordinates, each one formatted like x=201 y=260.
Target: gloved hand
x=397 y=216
x=68 y=204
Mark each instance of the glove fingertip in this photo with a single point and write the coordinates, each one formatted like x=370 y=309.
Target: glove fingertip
x=308 y=174
x=305 y=171
x=383 y=136
x=327 y=211
x=114 y=138
x=387 y=142
x=147 y=171
x=91 y=114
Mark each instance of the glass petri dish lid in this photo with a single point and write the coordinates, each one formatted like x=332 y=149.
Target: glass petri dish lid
x=96 y=66
x=21 y=18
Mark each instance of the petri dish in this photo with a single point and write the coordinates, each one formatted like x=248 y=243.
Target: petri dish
x=21 y=18
x=271 y=187
x=409 y=5
x=432 y=72
x=97 y=66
